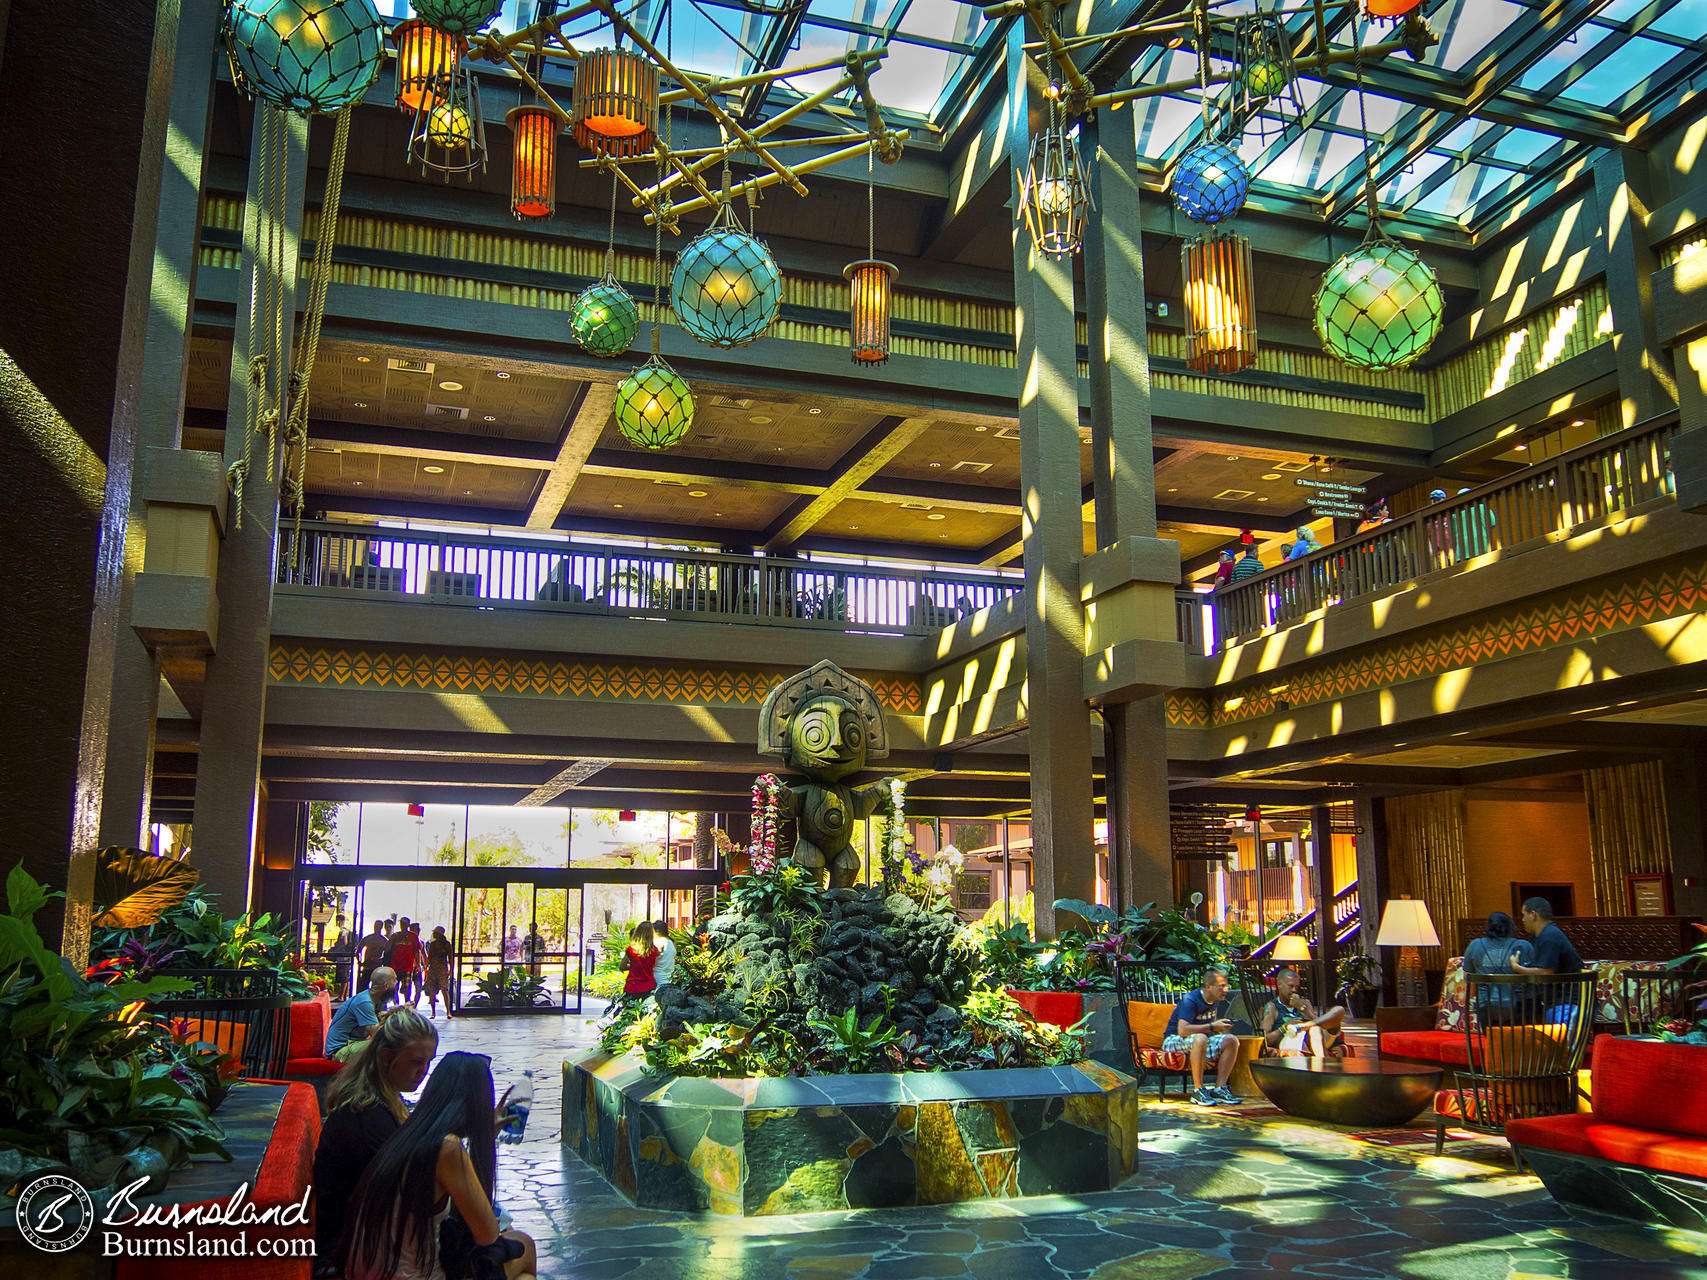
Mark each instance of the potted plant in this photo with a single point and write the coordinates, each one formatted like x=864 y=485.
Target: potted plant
x=1360 y=983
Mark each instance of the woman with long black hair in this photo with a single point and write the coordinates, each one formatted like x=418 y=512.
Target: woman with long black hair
x=444 y=1156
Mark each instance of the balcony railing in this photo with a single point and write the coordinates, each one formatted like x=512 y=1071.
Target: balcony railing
x=404 y=564
x=1613 y=475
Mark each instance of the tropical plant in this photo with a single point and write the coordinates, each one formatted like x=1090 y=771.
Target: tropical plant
x=94 y=1088
x=1009 y=956
x=134 y=888
x=512 y=986
x=1687 y=1028
x=1358 y=971
x=197 y=936
x=860 y=1048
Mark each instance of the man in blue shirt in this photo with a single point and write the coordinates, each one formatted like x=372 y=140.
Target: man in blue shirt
x=359 y=1015
x=1553 y=953
x=1200 y=1029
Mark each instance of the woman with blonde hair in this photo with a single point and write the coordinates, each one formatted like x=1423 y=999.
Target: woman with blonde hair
x=640 y=960
x=364 y=1107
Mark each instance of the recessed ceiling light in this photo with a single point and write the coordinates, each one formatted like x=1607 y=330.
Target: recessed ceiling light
x=361 y=404
x=936 y=515
x=450 y=386
x=434 y=471
x=760 y=419
x=1522 y=448
x=853 y=526
x=1262 y=499
x=617 y=505
x=500 y=374
x=1272 y=475
x=1231 y=457
x=1324 y=467
x=717 y=513
x=488 y=417
x=358 y=482
x=814 y=409
x=1579 y=423
x=1173 y=490
x=936 y=464
x=942 y=535
x=980 y=428
x=364 y=359
x=696 y=493
x=468 y=493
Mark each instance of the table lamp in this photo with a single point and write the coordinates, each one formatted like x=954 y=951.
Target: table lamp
x=1292 y=949
x=1405 y=924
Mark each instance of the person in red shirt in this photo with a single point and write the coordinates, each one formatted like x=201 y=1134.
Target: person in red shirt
x=405 y=959
x=639 y=960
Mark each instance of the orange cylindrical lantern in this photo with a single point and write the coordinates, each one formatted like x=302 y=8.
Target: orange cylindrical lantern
x=616 y=93
x=533 y=175
x=1390 y=8
x=426 y=57
x=635 y=144
x=1220 y=303
x=870 y=284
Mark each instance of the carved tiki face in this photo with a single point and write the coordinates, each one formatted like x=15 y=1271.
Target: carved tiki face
x=826 y=738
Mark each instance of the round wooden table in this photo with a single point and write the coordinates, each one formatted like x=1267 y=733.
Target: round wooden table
x=1354 y=1091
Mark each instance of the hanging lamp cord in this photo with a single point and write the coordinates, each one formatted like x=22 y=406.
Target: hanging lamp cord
x=1371 y=197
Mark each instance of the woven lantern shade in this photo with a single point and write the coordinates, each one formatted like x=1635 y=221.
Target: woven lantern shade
x=726 y=287
x=1210 y=183
x=449 y=135
x=654 y=406
x=1220 y=303
x=304 y=55
x=635 y=144
x=1266 y=100
x=1054 y=195
x=1379 y=307
x=616 y=93
x=533 y=174
x=1390 y=8
x=457 y=17
x=870 y=283
x=426 y=60
x=604 y=318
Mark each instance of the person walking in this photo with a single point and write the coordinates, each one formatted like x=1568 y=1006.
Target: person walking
x=443 y=1158
x=364 y=1107
x=512 y=947
x=438 y=971
x=1248 y=566
x=640 y=962
x=405 y=961
x=533 y=947
x=376 y=947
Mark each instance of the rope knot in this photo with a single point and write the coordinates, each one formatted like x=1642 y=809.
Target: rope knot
x=257 y=369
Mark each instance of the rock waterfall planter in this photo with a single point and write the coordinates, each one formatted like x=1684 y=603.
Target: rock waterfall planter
x=752 y=1147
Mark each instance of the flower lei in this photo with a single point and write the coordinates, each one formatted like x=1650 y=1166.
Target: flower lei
x=898 y=852
x=767 y=817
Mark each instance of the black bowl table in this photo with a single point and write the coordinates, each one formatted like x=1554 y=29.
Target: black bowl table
x=1370 y=1092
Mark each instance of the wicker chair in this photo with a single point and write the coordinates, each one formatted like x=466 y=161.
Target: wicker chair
x=1525 y=1048
x=1144 y=991
x=239 y=1011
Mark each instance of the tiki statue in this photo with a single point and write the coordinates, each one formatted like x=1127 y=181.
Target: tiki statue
x=826 y=724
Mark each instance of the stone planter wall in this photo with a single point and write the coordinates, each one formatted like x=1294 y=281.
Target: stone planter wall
x=757 y=1147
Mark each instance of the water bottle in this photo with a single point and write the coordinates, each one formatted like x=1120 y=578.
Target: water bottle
x=516 y=1112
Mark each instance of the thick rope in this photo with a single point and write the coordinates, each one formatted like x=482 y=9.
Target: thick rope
x=260 y=311
x=319 y=279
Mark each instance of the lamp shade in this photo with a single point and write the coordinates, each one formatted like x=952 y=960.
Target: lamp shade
x=616 y=93
x=1379 y=307
x=1220 y=302
x=868 y=317
x=726 y=287
x=654 y=406
x=304 y=55
x=1055 y=195
x=458 y=17
x=1291 y=946
x=604 y=318
x=1389 y=8
x=1210 y=183
x=1405 y=923
x=533 y=176
x=426 y=60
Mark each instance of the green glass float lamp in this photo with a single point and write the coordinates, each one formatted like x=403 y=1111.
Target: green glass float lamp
x=726 y=287
x=457 y=17
x=604 y=317
x=654 y=405
x=1210 y=183
x=1379 y=307
x=305 y=56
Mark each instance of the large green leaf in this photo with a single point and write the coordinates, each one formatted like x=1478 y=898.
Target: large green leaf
x=134 y=889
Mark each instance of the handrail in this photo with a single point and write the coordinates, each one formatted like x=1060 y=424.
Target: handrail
x=1616 y=473
x=1346 y=910
x=498 y=571
x=494 y=571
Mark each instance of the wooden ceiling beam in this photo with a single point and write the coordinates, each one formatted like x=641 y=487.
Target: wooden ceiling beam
x=870 y=455
x=582 y=427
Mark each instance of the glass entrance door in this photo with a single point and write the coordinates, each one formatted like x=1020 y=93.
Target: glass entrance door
x=511 y=945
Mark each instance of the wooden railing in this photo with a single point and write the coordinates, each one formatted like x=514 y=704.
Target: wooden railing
x=1613 y=475
x=494 y=572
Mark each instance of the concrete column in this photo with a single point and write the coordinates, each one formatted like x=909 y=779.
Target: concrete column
x=1045 y=341
x=228 y=764
x=1686 y=811
x=1370 y=818
x=1135 y=729
x=189 y=78
x=1322 y=885
x=1646 y=383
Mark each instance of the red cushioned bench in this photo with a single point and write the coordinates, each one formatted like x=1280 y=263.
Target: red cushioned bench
x=307 y=1060
x=1641 y=1152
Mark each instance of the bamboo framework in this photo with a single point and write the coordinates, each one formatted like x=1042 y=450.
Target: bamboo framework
x=664 y=200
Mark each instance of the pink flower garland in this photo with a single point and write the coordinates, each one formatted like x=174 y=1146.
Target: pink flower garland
x=767 y=817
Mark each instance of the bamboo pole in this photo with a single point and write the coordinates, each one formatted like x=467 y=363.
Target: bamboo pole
x=1372 y=53
x=771 y=179
x=713 y=85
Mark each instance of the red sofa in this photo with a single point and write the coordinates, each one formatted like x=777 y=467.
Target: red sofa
x=1641 y=1152
x=307 y=1060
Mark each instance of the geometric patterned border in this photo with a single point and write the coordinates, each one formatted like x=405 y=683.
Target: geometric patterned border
x=363 y=668
x=1564 y=617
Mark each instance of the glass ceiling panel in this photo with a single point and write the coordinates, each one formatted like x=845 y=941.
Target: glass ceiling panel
x=1466 y=27
x=1688 y=21
x=1621 y=71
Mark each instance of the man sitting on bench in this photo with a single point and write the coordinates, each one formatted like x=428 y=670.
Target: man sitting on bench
x=1200 y=1029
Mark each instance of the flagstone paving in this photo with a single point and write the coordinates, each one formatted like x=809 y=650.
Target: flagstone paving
x=1215 y=1198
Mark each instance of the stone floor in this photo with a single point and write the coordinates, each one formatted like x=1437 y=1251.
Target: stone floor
x=1216 y=1197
